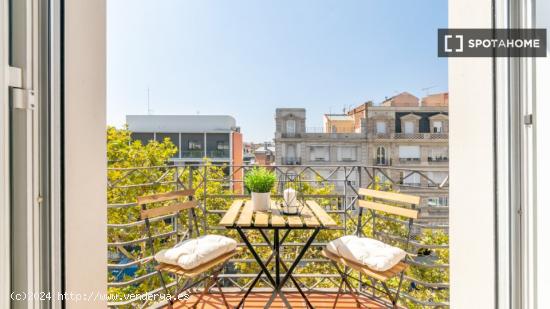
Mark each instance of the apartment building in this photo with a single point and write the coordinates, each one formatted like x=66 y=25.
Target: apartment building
x=214 y=137
x=408 y=133
x=296 y=145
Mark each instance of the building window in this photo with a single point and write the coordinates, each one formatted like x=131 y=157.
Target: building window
x=319 y=153
x=438 y=201
x=438 y=154
x=194 y=145
x=436 y=178
x=381 y=155
x=381 y=127
x=291 y=126
x=409 y=127
x=409 y=153
x=222 y=145
x=291 y=151
x=347 y=153
x=437 y=127
x=411 y=179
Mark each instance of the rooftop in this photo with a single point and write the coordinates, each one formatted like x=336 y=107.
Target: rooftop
x=181 y=123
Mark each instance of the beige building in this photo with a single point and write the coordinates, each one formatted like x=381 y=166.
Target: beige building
x=409 y=134
x=295 y=145
x=404 y=138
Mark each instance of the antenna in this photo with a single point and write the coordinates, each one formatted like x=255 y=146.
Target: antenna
x=427 y=89
x=149 y=110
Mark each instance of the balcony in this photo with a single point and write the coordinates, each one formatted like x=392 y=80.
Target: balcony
x=438 y=159
x=291 y=161
x=424 y=136
x=188 y=154
x=409 y=135
x=131 y=269
x=219 y=153
x=409 y=160
x=382 y=162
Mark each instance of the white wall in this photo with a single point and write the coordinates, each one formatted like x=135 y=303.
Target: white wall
x=542 y=127
x=4 y=167
x=471 y=199
x=85 y=150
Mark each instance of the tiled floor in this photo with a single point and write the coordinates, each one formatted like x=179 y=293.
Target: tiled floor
x=258 y=300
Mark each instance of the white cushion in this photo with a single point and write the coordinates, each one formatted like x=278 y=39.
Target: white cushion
x=367 y=251
x=194 y=252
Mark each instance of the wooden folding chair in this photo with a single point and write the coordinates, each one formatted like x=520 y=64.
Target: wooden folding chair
x=379 y=201
x=175 y=207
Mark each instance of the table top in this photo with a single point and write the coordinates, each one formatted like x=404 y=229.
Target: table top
x=241 y=214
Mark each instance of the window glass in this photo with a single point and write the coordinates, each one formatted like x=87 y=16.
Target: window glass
x=347 y=153
x=291 y=126
x=381 y=127
x=319 y=153
x=437 y=127
x=409 y=127
x=411 y=178
x=406 y=152
x=222 y=145
x=194 y=145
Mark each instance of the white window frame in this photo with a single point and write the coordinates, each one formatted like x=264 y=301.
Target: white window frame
x=381 y=127
x=314 y=156
x=381 y=155
x=408 y=127
x=290 y=126
x=352 y=153
x=437 y=126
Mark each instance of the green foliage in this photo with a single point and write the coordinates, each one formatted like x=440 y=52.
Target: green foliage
x=260 y=180
x=130 y=175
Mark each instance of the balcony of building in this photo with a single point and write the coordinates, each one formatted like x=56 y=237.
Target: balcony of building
x=131 y=267
x=291 y=161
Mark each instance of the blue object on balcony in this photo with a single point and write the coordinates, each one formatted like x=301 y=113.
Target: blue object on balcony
x=129 y=271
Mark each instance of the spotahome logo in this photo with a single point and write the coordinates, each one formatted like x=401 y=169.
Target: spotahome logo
x=491 y=43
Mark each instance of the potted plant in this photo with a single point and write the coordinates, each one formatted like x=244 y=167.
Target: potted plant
x=259 y=182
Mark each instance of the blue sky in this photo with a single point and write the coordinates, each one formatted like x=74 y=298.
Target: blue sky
x=247 y=57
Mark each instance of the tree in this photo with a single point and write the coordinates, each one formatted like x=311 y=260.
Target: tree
x=136 y=169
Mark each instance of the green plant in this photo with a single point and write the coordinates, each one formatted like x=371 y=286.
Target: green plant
x=260 y=180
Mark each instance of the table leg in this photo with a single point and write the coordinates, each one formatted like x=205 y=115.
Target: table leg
x=255 y=255
x=300 y=255
x=277 y=257
x=294 y=281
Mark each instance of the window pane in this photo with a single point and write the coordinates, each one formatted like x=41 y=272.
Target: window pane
x=409 y=127
x=381 y=127
x=409 y=152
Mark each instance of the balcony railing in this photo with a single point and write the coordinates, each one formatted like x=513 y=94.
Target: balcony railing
x=382 y=162
x=438 y=159
x=130 y=265
x=291 y=161
x=192 y=153
x=409 y=135
x=409 y=160
x=421 y=135
x=220 y=153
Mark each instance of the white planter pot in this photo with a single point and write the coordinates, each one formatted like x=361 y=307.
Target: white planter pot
x=261 y=201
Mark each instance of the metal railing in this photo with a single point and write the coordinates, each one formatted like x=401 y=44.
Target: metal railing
x=291 y=161
x=335 y=187
x=438 y=159
x=409 y=160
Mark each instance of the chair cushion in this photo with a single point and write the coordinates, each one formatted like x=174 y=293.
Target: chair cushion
x=367 y=251
x=194 y=252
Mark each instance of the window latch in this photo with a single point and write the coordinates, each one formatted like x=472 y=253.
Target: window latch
x=528 y=119
x=22 y=98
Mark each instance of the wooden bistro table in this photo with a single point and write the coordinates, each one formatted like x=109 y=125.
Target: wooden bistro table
x=242 y=217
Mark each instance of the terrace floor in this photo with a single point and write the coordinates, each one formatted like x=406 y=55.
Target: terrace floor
x=258 y=300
